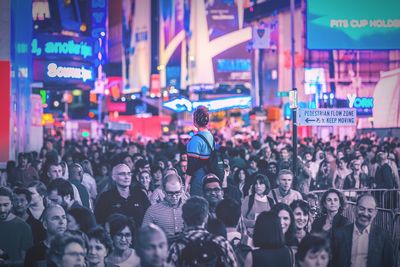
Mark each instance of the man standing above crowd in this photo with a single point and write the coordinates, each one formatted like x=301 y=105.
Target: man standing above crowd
x=168 y=213
x=15 y=234
x=362 y=244
x=284 y=193
x=120 y=198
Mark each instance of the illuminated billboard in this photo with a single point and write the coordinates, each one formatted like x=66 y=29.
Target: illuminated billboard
x=357 y=24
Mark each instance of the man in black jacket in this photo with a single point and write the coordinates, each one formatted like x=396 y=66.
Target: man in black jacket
x=120 y=199
x=361 y=243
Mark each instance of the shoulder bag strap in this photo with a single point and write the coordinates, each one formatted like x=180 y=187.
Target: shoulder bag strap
x=274 y=195
x=205 y=140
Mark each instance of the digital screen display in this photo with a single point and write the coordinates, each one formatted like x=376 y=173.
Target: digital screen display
x=356 y=24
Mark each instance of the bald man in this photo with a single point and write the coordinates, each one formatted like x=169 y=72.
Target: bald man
x=152 y=246
x=121 y=199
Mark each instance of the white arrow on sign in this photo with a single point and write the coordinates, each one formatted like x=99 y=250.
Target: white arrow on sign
x=326 y=116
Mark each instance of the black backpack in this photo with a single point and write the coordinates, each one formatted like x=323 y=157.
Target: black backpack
x=202 y=252
x=215 y=162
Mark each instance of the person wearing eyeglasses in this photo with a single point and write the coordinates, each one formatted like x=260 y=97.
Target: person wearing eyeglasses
x=121 y=198
x=122 y=233
x=168 y=213
x=213 y=193
x=67 y=250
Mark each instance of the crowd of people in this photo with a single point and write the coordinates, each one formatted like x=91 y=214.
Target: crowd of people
x=207 y=201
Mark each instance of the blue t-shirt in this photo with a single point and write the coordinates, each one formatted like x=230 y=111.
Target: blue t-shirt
x=197 y=148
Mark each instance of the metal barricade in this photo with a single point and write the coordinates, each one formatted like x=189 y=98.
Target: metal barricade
x=396 y=237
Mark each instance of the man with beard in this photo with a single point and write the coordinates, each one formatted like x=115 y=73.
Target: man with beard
x=55 y=222
x=15 y=234
x=22 y=200
x=168 y=213
x=24 y=173
x=361 y=243
x=213 y=193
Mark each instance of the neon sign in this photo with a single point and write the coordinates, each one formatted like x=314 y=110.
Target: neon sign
x=47 y=45
x=363 y=105
x=360 y=102
x=183 y=104
x=55 y=71
x=64 y=73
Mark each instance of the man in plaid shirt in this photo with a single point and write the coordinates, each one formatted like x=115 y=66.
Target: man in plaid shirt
x=195 y=215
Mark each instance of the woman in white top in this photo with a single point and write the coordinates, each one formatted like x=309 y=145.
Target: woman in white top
x=122 y=234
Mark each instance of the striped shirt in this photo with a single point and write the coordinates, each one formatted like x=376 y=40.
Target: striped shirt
x=167 y=217
x=195 y=233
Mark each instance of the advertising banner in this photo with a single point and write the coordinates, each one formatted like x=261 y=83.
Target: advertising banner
x=233 y=64
x=63 y=73
x=61 y=46
x=136 y=45
x=357 y=24
x=171 y=25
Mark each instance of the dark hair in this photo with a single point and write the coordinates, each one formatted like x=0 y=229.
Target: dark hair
x=84 y=218
x=63 y=187
x=6 y=192
x=61 y=241
x=263 y=179
x=342 y=200
x=312 y=243
x=39 y=186
x=195 y=211
x=141 y=163
x=236 y=175
x=216 y=227
x=156 y=168
x=100 y=234
x=228 y=211
x=23 y=191
x=303 y=205
x=290 y=234
x=268 y=231
x=118 y=223
x=201 y=116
